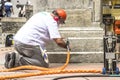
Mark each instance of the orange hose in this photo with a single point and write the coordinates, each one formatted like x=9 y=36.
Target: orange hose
x=44 y=71
x=47 y=72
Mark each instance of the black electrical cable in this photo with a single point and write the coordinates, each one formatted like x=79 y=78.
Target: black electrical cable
x=74 y=76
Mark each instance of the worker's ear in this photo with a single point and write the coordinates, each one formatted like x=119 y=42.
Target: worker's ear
x=56 y=18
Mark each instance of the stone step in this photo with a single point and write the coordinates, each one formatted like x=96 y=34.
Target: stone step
x=81 y=39
x=81 y=32
x=86 y=45
x=80 y=44
x=76 y=57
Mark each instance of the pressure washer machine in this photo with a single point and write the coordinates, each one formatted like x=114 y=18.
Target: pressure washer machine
x=110 y=40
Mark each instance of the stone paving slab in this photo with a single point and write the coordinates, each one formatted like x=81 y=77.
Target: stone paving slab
x=85 y=66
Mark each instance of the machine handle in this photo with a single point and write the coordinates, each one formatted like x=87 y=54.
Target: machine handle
x=68 y=45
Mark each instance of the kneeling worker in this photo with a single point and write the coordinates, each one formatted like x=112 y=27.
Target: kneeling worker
x=31 y=39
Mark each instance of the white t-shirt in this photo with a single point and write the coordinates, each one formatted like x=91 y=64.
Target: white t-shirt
x=8 y=4
x=38 y=30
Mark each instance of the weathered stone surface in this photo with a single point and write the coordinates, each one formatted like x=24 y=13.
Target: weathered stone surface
x=67 y=4
x=79 y=17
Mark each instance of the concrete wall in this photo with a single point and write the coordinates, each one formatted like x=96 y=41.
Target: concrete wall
x=81 y=13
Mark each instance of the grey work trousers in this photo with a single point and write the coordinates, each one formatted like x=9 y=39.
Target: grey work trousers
x=29 y=55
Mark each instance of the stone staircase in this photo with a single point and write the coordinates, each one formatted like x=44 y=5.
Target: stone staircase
x=86 y=44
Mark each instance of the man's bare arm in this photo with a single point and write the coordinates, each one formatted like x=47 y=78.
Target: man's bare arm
x=60 y=42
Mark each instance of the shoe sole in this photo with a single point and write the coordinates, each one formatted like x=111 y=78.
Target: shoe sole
x=11 y=63
x=7 y=59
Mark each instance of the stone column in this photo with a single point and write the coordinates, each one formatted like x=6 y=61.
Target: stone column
x=28 y=11
x=97 y=4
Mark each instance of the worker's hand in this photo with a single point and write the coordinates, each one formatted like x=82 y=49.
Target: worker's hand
x=68 y=45
x=63 y=43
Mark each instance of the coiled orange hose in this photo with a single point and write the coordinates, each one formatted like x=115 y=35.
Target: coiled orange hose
x=44 y=71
